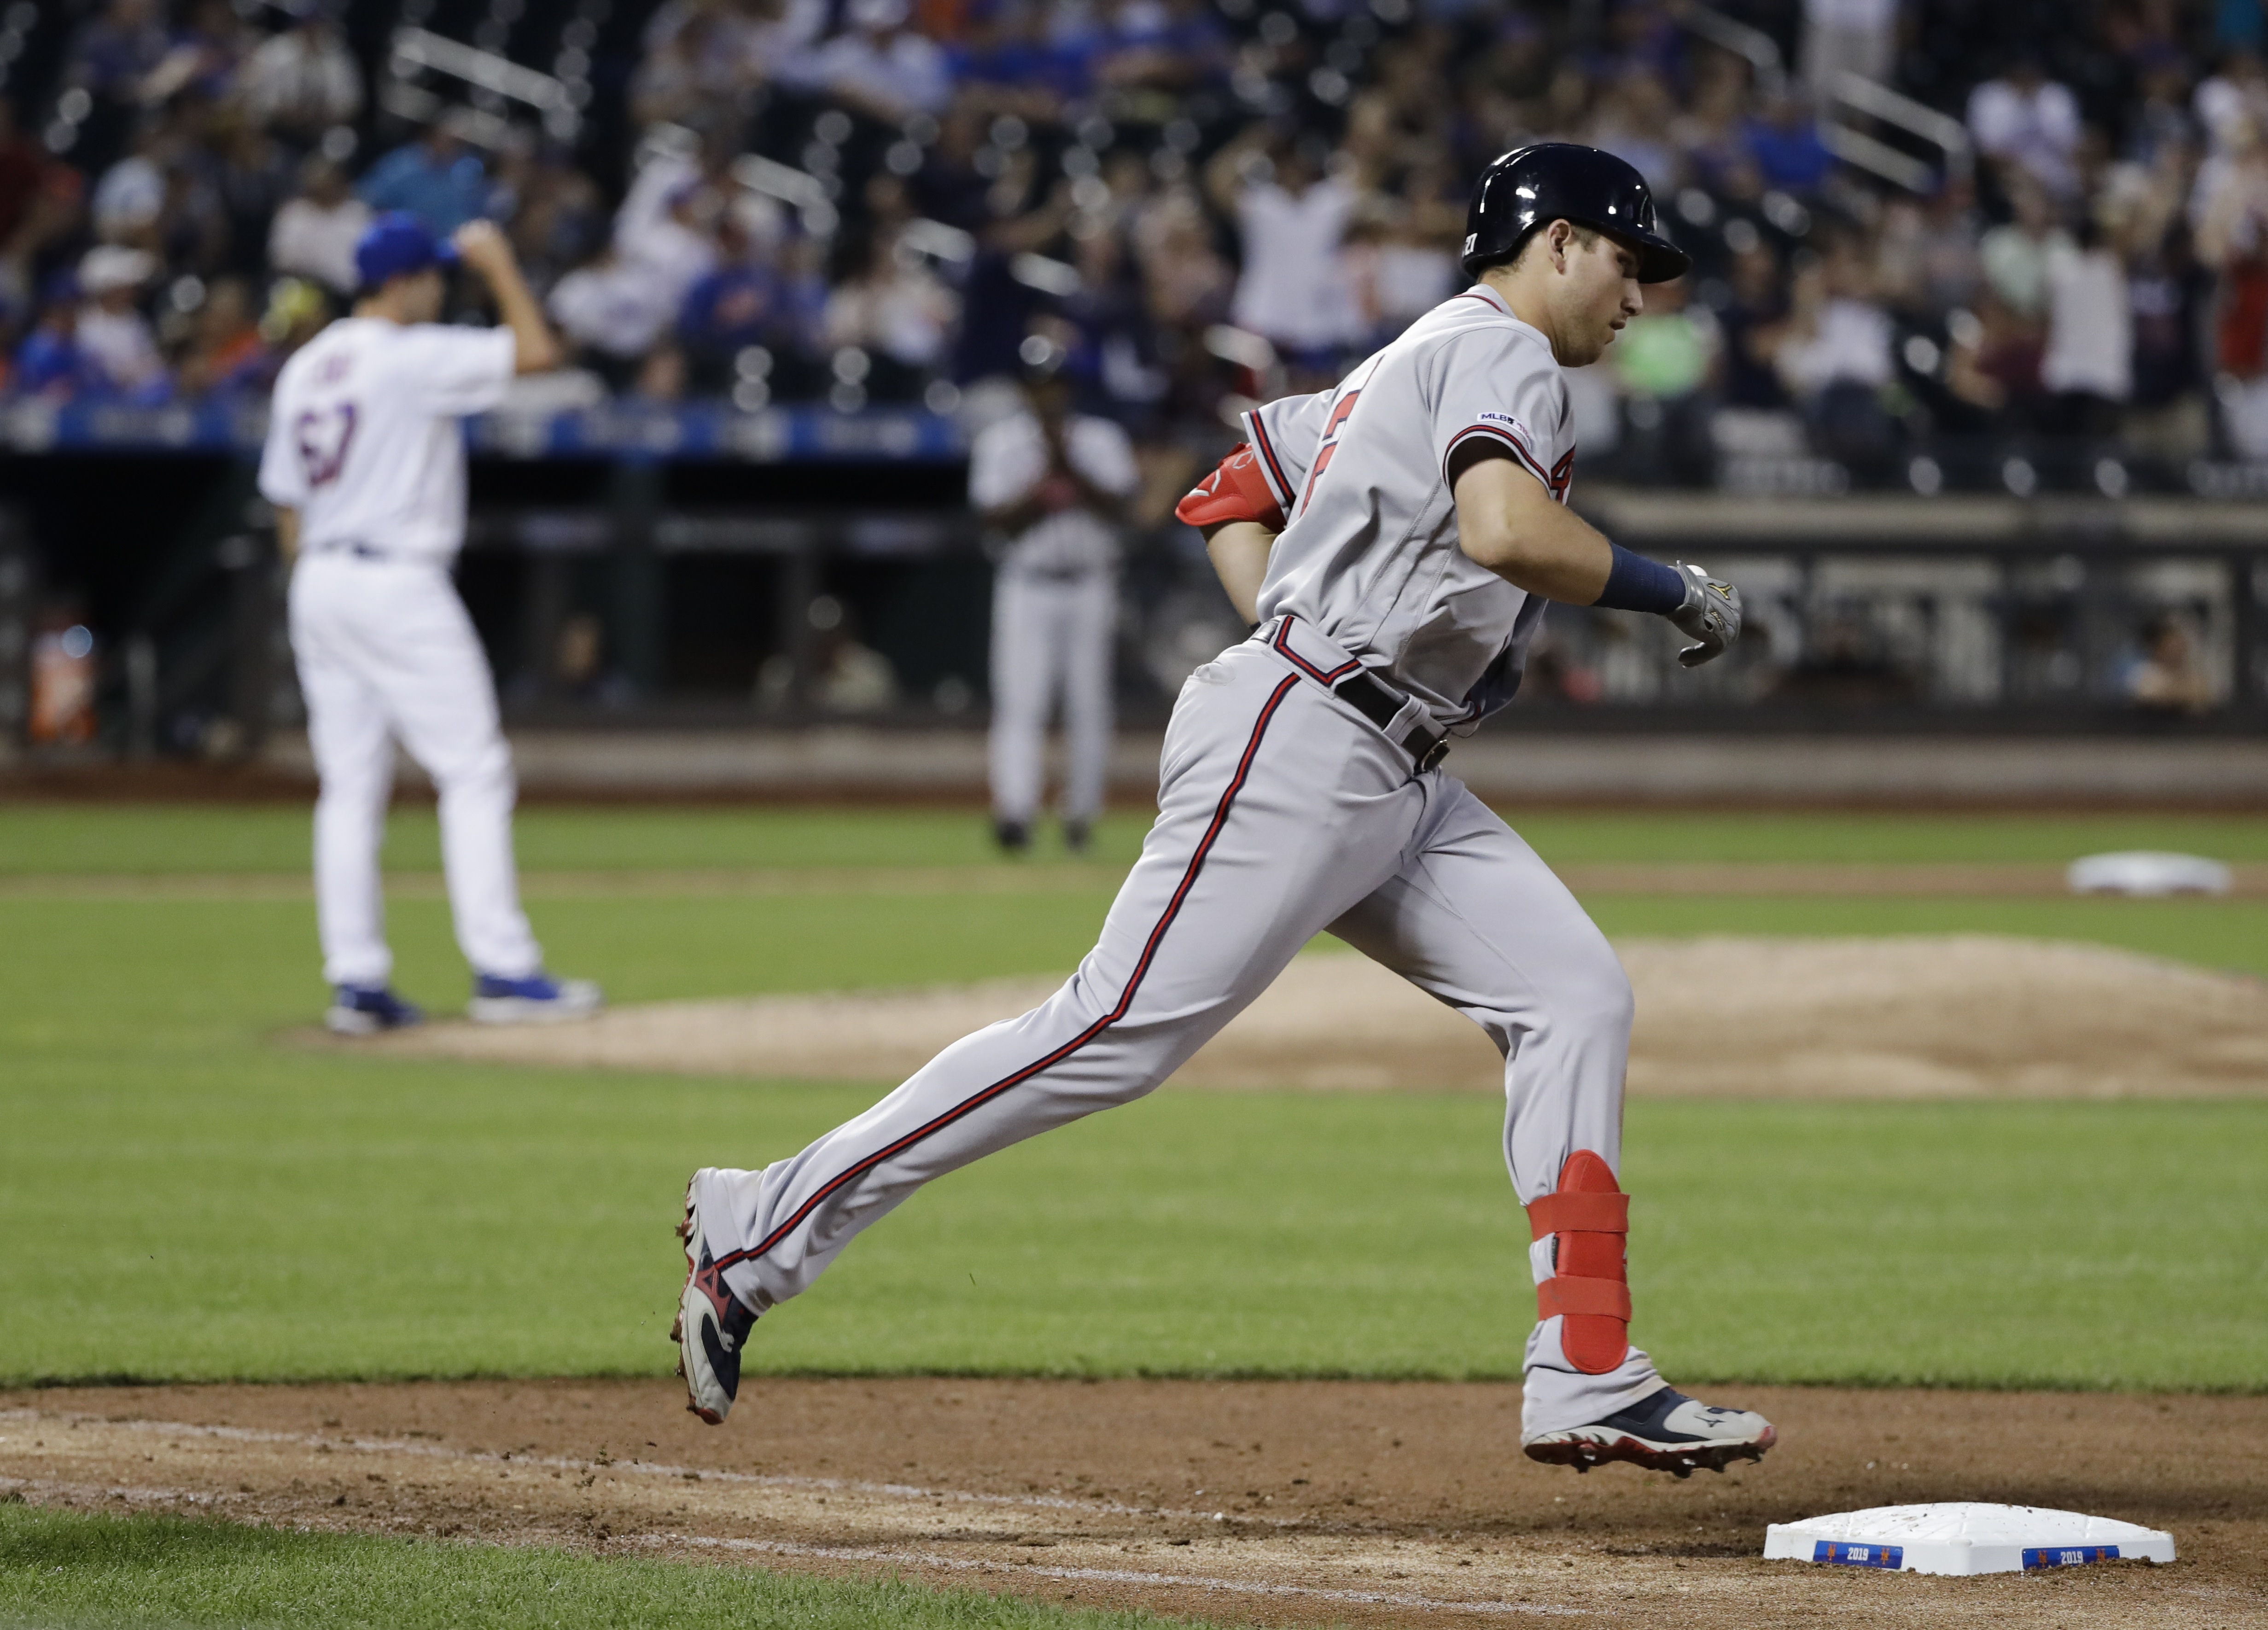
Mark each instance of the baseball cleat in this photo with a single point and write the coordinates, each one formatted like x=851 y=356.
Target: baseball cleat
x=538 y=999
x=1013 y=836
x=1665 y=1432
x=365 y=1010
x=712 y=1324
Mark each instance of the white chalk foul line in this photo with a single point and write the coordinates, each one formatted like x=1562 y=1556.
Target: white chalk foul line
x=780 y=1547
x=110 y=1490
x=646 y=1468
x=1110 y=1575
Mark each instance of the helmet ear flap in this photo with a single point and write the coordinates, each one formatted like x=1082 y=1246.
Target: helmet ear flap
x=1475 y=264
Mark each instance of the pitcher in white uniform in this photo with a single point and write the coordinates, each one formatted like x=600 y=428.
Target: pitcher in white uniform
x=1423 y=527
x=1055 y=481
x=365 y=466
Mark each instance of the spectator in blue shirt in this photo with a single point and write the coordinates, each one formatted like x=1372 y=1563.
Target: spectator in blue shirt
x=1174 y=47
x=1014 y=60
x=433 y=179
x=1786 y=148
x=739 y=304
x=110 y=55
x=50 y=364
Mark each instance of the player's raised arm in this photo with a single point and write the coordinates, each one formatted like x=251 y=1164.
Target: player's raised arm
x=488 y=251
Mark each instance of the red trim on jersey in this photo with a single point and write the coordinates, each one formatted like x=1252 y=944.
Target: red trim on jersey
x=1267 y=451
x=1505 y=436
x=1281 y=640
x=1133 y=984
x=1562 y=475
x=1328 y=449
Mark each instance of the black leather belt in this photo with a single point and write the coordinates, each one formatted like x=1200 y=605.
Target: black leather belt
x=1373 y=698
x=1378 y=703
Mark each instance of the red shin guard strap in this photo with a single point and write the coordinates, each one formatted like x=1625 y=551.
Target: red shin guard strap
x=1584 y=1298
x=1589 y=1214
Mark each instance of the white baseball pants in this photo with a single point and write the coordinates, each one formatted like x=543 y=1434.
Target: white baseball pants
x=386 y=652
x=1050 y=636
x=1281 y=812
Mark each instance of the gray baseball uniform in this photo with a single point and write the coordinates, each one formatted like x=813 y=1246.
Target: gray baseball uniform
x=1283 y=812
x=1055 y=616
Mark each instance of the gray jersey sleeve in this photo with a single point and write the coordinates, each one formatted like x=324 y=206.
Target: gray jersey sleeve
x=1284 y=433
x=1500 y=386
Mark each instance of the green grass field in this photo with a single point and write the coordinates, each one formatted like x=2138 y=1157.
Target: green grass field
x=66 y=1568
x=186 y=1193
x=133 y=838
x=179 y=1187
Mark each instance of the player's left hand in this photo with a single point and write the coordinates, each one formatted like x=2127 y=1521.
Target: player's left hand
x=1711 y=614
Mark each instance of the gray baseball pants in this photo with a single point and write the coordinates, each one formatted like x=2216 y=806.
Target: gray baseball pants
x=1051 y=636
x=1282 y=812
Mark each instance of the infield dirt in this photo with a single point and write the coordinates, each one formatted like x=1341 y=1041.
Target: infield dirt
x=1265 y=1502
x=1909 y=1017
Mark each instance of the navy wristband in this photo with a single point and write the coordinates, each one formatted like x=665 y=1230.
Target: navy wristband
x=1638 y=584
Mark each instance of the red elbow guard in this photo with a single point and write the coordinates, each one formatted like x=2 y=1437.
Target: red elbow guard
x=1590 y=1286
x=1235 y=491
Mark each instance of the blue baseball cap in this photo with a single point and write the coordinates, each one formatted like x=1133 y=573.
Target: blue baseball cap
x=397 y=245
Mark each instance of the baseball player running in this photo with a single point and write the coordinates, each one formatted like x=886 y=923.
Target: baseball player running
x=1055 y=481
x=365 y=466
x=1423 y=528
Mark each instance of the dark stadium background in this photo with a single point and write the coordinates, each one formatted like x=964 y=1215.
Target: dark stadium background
x=1936 y=538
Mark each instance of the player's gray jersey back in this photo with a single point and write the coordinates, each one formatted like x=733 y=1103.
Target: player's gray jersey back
x=1369 y=556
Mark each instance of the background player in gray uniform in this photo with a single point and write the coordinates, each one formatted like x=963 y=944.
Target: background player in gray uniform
x=1301 y=790
x=1055 y=481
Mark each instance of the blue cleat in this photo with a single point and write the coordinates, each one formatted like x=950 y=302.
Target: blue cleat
x=538 y=999
x=366 y=1010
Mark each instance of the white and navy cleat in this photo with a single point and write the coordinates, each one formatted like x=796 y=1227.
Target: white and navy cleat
x=537 y=999
x=1664 y=1432
x=366 y=1010
x=712 y=1324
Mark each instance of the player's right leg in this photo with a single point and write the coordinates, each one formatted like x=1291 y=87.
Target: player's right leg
x=1475 y=919
x=354 y=764
x=1278 y=807
x=425 y=659
x=1022 y=683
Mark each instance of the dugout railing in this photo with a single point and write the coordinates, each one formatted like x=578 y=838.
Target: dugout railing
x=1867 y=613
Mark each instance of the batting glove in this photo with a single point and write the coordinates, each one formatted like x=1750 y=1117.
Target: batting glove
x=1711 y=614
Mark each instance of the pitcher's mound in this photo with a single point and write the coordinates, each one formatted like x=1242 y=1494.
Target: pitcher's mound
x=1922 y=1016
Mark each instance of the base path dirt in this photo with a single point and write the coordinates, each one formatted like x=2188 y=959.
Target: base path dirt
x=1263 y=1502
x=1925 y=1015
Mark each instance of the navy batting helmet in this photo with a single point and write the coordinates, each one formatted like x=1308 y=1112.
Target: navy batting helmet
x=1546 y=181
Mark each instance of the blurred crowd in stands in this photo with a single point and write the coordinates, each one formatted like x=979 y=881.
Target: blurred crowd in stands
x=875 y=201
